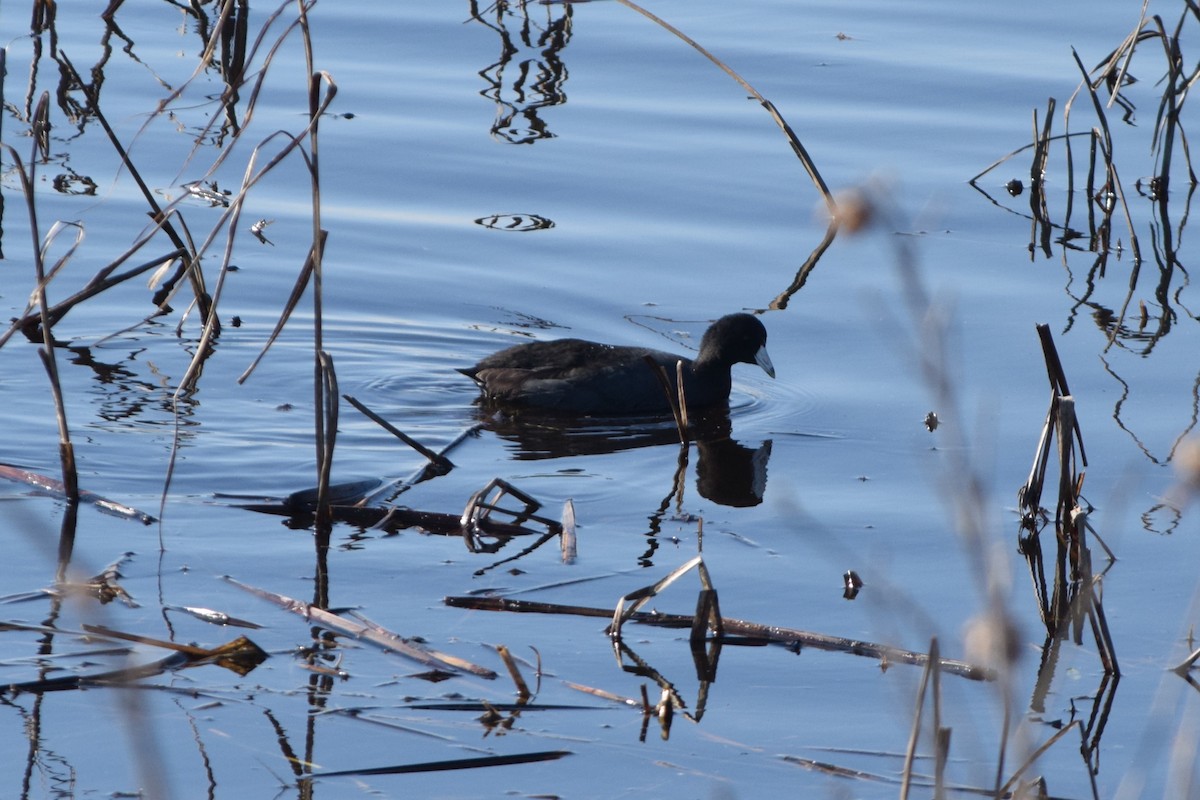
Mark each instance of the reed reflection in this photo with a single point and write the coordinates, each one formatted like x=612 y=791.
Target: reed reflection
x=727 y=472
x=1133 y=283
x=78 y=90
x=529 y=74
x=126 y=396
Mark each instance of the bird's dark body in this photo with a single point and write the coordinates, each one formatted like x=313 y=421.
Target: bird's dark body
x=581 y=377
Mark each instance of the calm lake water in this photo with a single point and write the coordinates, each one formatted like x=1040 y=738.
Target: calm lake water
x=490 y=175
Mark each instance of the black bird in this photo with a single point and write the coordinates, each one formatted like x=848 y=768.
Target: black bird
x=581 y=377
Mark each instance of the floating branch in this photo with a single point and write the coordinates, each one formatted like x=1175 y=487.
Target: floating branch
x=55 y=488
x=772 y=634
x=239 y=655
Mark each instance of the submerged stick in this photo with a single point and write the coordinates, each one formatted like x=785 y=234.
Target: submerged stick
x=434 y=458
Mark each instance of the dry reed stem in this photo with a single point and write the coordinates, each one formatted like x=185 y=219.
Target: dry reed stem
x=941 y=736
x=640 y=597
x=683 y=410
x=996 y=626
x=1058 y=379
x=324 y=387
x=1106 y=148
x=251 y=178
x=914 y=734
x=805 y=160
x=1064 y=430
x=838 y=771
x=252 y=100
x=327 y=419
x=1168 y=112
x=228 y=219
x=1124 y=53
x=673 y=402
x=229 y=216
x=1008 y=156
x=1006 y=789
x=1041 y=150
x=66 y=450
x=100 y=283
x=1070 y=159
x=1100 y=631
x=157 y=212
x=611 y=697
x=1029 y=496
x=289 y=306
x=783 y=298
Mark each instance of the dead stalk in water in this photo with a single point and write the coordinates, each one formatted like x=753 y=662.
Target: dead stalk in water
x=66 y=449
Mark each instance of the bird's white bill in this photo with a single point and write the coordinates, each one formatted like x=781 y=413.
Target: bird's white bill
x=763 y=360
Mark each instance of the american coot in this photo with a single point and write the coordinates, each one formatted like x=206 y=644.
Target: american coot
x=580 y=377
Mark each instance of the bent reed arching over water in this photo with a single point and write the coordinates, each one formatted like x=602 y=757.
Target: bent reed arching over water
x=581 y=377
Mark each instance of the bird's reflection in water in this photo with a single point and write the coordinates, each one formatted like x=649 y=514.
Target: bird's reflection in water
x=728 y=472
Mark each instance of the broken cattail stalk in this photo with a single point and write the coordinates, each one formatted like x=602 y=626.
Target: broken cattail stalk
x=567 y=537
